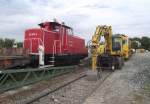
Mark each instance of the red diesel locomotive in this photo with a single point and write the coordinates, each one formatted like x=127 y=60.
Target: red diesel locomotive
x=58 y=44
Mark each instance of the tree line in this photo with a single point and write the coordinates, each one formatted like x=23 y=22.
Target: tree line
x=9 y=43
x=144 y=43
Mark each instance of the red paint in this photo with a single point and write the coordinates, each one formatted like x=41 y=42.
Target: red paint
x=56 y=38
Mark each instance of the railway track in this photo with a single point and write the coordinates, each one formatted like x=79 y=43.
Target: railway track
x=71 y=88
x=72 y=92
x=52 y=91
x=21 y=94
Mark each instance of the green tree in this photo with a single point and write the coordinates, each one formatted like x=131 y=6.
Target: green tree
x=1 y=43
x=136 y=39
x=8 y=43
x=19 y=44
x=145 y=42
x=134 y=45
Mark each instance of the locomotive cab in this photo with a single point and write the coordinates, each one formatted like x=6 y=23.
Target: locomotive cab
x=60 y=46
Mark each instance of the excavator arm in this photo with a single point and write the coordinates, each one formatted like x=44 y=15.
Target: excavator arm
x=105 y=31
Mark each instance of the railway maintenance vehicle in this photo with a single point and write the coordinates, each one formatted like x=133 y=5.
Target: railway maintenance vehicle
x=126 y=44
x=111 y=57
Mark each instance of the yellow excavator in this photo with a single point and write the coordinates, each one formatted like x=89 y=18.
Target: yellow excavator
x=109 y=54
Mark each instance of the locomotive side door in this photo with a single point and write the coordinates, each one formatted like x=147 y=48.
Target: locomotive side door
x=65 y=39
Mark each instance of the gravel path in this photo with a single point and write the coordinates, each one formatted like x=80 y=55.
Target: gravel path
x=131 y=85
x=75 y=93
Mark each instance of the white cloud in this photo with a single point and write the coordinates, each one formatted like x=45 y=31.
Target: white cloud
x=125 y=16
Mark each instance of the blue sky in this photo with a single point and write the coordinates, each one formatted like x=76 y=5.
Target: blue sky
x=131 y=17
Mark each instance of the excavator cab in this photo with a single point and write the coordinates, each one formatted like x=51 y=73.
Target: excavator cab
x=117 y=45
x=112 y=60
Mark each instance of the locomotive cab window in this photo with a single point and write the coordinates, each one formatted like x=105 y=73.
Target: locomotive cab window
x=70 y=31
x=55 y=28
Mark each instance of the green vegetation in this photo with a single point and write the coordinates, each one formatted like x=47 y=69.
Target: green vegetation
x=134 y=45
x=8 y=43
x=147 y=87
x=143 y=42
x=19 y=44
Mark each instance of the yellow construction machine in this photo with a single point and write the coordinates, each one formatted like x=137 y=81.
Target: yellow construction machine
x=126 y=42
x=112 y=55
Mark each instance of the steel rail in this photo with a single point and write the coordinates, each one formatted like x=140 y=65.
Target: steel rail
x=64 y=85
x=56 y=89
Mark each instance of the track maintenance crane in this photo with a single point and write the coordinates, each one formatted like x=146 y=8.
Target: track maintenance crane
x=111 y=57
x=126 y=46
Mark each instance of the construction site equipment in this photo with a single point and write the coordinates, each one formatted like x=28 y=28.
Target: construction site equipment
x=111 y=57
x=126 y=42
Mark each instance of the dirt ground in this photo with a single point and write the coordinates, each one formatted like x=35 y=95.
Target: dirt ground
x=131 y=85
